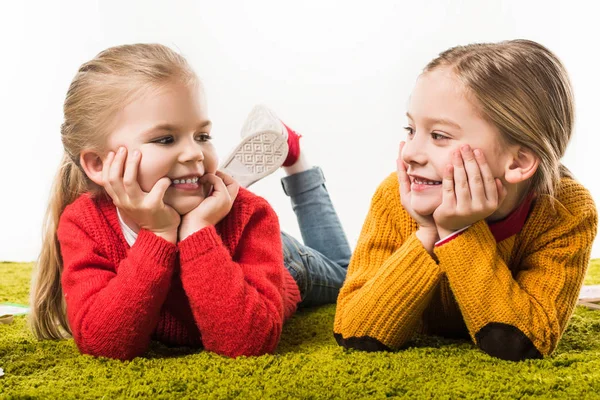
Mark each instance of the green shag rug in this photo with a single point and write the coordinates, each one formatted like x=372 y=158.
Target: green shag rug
x=308 y=365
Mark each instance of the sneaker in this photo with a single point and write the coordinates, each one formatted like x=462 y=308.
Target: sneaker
x=262 y=118
x=262 y=150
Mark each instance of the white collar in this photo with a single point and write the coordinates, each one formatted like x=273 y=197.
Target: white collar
x=130 y=234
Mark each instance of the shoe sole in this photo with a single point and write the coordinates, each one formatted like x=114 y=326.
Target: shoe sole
x=257 y=156
x=262 y=118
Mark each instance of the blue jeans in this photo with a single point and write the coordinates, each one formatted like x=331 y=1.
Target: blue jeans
x=319 y=265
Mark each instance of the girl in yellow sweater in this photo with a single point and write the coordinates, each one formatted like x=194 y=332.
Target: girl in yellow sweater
x=481 y=232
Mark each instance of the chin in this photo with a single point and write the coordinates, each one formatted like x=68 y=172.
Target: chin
x=424 y=207
x=184 y=207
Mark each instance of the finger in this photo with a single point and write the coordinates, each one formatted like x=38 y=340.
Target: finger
x=106 y=166
x=216 y=182
x=489 y=183
x=473 y=175
x=115 y=175
x=231 y=184
x=502 y=191
x=448 y=194
x=403 y=178
x=227 y=179
x=461 y=184
x=130 y=182
x=157 y=193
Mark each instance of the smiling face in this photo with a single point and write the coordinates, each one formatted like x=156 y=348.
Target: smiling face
x=441 y=118
x=170 y=128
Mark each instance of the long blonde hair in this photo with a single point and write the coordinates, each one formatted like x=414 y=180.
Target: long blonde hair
x=524 y=90
x=100 y=88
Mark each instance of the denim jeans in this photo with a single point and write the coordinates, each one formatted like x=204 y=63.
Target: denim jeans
x=319 y=265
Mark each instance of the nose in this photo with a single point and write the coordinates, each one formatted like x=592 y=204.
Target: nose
x=191 y=151
x=414 y=150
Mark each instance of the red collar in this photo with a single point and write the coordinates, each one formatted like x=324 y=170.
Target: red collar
x=513 y=222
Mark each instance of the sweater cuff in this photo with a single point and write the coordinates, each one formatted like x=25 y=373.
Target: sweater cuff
x=199 y=243
x=475 y=242
x=155 y=248
x=451 y=236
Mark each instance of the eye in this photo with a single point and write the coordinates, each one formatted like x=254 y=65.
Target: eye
x=203 y=137
x=437 y=136
x=409 y=131
x=164 y=140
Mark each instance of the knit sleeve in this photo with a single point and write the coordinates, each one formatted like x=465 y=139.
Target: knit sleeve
x=390 y=279
x=508 y=312
x=112 y=309
x=237 y=298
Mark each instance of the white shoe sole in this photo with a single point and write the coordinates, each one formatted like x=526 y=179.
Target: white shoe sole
x=258 y=155
x=262 y=118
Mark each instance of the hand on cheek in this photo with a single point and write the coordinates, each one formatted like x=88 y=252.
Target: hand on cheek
x=214 y=207
x=470 y=192
x=147 y=210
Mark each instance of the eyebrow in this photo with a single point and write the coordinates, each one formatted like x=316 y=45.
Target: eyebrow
x=176 y=128
x=439 y=121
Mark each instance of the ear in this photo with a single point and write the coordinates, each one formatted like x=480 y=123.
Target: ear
x=92 y=164
x=523 y=163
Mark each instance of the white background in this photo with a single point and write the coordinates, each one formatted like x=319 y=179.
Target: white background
x=339 y=72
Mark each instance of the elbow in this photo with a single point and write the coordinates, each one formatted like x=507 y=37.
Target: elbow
x=101 y=346
x=506 y=342
x=345 y=330
x=249 y=343
x=363 y=343
x=114 y=352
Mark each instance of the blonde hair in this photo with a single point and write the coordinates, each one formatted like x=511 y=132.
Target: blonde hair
x=100 y=88
x=523 y=89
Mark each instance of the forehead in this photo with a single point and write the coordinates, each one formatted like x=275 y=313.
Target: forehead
x=439 y=94
x=171 y=101
x=173 y=104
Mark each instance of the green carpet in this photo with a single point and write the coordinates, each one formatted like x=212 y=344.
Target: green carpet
x=307 y=365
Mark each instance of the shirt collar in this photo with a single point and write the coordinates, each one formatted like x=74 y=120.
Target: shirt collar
x=513 y=222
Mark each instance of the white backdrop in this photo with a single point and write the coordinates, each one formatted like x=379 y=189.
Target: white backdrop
x=339 y=72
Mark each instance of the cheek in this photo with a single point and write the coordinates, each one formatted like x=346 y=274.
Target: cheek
x=149 y=172
x=211 y=161
x=441 y=161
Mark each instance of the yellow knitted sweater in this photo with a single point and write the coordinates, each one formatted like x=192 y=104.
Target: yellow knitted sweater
x=530 y=280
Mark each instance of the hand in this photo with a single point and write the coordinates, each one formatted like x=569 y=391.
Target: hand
x=427 y=232
x=147 y=210
x=470 y=192
x=214 y=207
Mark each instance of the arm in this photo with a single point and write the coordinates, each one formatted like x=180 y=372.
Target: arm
x=237 y=302
x=390 y=279
x=521 y=316
x=113 y=309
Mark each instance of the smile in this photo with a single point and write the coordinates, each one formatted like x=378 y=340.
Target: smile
x=182 y=181
x=426 y=182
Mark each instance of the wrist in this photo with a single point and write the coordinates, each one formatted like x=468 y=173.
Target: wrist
x=427 y=232
x=428 y=238
x=444 y=232
x=188 y=229
x=169 y=236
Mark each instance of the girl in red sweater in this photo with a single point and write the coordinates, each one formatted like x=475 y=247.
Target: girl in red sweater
x=147 y=239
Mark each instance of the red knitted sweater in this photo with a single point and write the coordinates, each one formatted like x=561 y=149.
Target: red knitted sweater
x=223 y=288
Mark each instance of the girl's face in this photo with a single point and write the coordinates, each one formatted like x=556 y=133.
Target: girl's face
x=441 y=118
x=171 y=129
